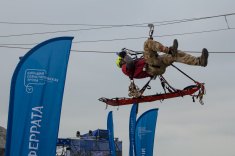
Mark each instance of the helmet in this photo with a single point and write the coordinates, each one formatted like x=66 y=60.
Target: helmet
x=119 y=62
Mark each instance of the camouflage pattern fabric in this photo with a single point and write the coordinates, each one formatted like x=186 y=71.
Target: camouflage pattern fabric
x=158 y=63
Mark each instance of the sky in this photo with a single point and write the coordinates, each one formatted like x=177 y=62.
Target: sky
x=184 y=127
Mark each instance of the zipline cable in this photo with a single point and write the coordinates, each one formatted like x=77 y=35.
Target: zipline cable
x=62 y=24
x=190 y=33
x=106 y=52
x=113 y=26
x=121 y=39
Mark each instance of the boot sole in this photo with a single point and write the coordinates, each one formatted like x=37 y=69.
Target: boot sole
x=205 y=55
x=175 y=44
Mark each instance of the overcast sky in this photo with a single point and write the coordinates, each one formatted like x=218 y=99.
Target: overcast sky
x=183 y=128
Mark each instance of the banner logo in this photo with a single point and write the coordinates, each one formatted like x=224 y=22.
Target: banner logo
x=36 y=77
x=142 y=132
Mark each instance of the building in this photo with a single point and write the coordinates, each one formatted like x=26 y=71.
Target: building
x=94 y=143
x=3 y=133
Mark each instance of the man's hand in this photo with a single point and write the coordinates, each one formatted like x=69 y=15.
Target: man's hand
x=122 y=54
x=173 y=52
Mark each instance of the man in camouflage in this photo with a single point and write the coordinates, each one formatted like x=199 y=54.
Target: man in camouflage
x=157 y=63
x=154 y=64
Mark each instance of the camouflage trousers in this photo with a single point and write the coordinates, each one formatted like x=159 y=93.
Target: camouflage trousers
x=157 y=63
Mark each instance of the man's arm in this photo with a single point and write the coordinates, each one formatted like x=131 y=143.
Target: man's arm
x=129 y=62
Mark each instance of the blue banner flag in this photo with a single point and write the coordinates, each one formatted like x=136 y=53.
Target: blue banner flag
x=145 y=132
x=36 y=95
x=132 y=123
x=110 y=134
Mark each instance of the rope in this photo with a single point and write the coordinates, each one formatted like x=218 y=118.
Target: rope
x=183 y=73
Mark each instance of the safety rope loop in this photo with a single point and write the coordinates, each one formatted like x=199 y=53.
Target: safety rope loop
x=146 y=86
x=162 y=79
x=200 y=93
x=202 y=87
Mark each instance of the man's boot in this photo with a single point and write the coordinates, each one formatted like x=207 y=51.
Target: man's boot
x=173 y=50
x=204 y=57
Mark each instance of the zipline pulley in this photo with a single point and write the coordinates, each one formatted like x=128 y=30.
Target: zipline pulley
x=151 y=27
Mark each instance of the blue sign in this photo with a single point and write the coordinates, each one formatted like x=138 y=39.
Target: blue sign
x=36 y=95
x=145 y=132
x=63 y=142
x=132 y=123
x=111 y=134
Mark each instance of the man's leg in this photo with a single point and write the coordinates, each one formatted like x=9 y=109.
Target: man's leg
x=192 y=60
x=151 y=48
x=185 y=58
x=157 y=64
x=172 y=55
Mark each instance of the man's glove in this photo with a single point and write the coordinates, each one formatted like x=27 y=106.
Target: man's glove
x=122 y=54
x=173 y=52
